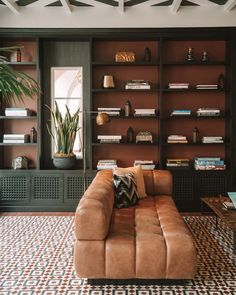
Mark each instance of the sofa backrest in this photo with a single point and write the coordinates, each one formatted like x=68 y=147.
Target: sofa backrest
x=158 y=182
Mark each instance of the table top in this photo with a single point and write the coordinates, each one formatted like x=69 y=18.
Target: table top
x=227 y=215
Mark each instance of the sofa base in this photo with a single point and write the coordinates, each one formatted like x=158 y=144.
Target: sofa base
x=136 y=282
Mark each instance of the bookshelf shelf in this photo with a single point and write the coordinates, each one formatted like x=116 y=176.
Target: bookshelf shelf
x=18 y=117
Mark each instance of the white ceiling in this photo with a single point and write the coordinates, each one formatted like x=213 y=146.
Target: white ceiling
x=117 y=13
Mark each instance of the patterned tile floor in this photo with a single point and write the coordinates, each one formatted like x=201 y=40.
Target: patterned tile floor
x=36 y=257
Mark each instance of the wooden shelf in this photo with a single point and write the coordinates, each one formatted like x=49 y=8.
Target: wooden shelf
x=131 y=117
x=125 y=64
x=18 y=144
x=192 y=89
x=17 y=117
x=125 y=143
x=194 y=144
x=195 y=63
x=196 y=117
x=23 y=63
x=124 y=90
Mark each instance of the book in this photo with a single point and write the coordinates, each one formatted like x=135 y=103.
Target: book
x=137 y=86
x=23 y=137
x=229 y=205
x=232 y=196
x=109 y=137
x=14 y=141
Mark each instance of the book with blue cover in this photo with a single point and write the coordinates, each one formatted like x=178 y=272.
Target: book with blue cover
x=232 y=196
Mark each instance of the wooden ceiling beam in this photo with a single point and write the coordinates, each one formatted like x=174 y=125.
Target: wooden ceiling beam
x=121 y=5
x=66 y=6
x=40 y=3
x=229 y=5
x=175 y=6
x=12 y=6
x=149 y=3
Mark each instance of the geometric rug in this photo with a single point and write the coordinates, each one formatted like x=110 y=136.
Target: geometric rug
x=36 y=257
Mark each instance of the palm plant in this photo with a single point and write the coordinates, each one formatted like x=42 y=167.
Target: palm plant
x=14 y=85
x=63 y=130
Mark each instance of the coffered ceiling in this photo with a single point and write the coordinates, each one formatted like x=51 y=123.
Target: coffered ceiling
x=17 y=6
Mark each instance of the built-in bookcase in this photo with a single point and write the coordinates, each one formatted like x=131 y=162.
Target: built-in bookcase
x=16 y=124
x=104 y=64
x=44 y=188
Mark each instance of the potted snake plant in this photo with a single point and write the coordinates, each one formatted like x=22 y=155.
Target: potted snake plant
x=63 y=131
x=14 y=85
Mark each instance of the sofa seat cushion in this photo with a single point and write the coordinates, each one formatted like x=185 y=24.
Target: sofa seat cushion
x=146 y=241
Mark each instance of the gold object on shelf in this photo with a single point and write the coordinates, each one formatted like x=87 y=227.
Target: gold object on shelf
x=144 y=136
x=124 y=56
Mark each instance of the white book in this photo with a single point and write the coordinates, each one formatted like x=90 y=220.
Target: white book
x=144 y=111
x=137 y=87
x=14 y=141
x=109 y=137
x=109 y=109
x=19 y=136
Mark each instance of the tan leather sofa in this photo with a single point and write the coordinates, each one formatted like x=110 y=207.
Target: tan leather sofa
x=148 y=241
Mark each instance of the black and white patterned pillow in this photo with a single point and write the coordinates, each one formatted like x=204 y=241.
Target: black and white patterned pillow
x=125 y=190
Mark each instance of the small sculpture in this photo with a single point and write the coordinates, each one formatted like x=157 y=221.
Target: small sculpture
x=221 y=81
x=127 y=108
x=130 y=135
x=147 y=55
x=205 y=56
x=190 y=56
x=195 y=135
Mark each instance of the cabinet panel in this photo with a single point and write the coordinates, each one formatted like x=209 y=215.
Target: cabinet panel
x=47 y=187
x=14 y=188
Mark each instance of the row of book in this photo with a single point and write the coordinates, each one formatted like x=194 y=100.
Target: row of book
x=177 y=139
x=212 y=139
x=137 y=84
x=109 y=138
x=187 y=85
x=17 y=112
x=144 y=112
x=118 y=111
x=110 y=111
x=182 y=163
x=201 y=112
x=106 y=164
x=112 y=163
x=209 y=163
x=200 y=163
x=15 y=138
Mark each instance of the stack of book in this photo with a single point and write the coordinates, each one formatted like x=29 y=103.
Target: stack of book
x=137 y=84
x=207 y=86
x=201 y=112
x=212 y=139
x=181 y=113
x=17 y=112
x=180 y=163
x=15 y=138
x=145 y=164
x=209 y=163
x=178 y=85
x=229 y=205
x=177 y=139
x=109 y=138
x=110 y=111
x=106 y=164
x=144 y=112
